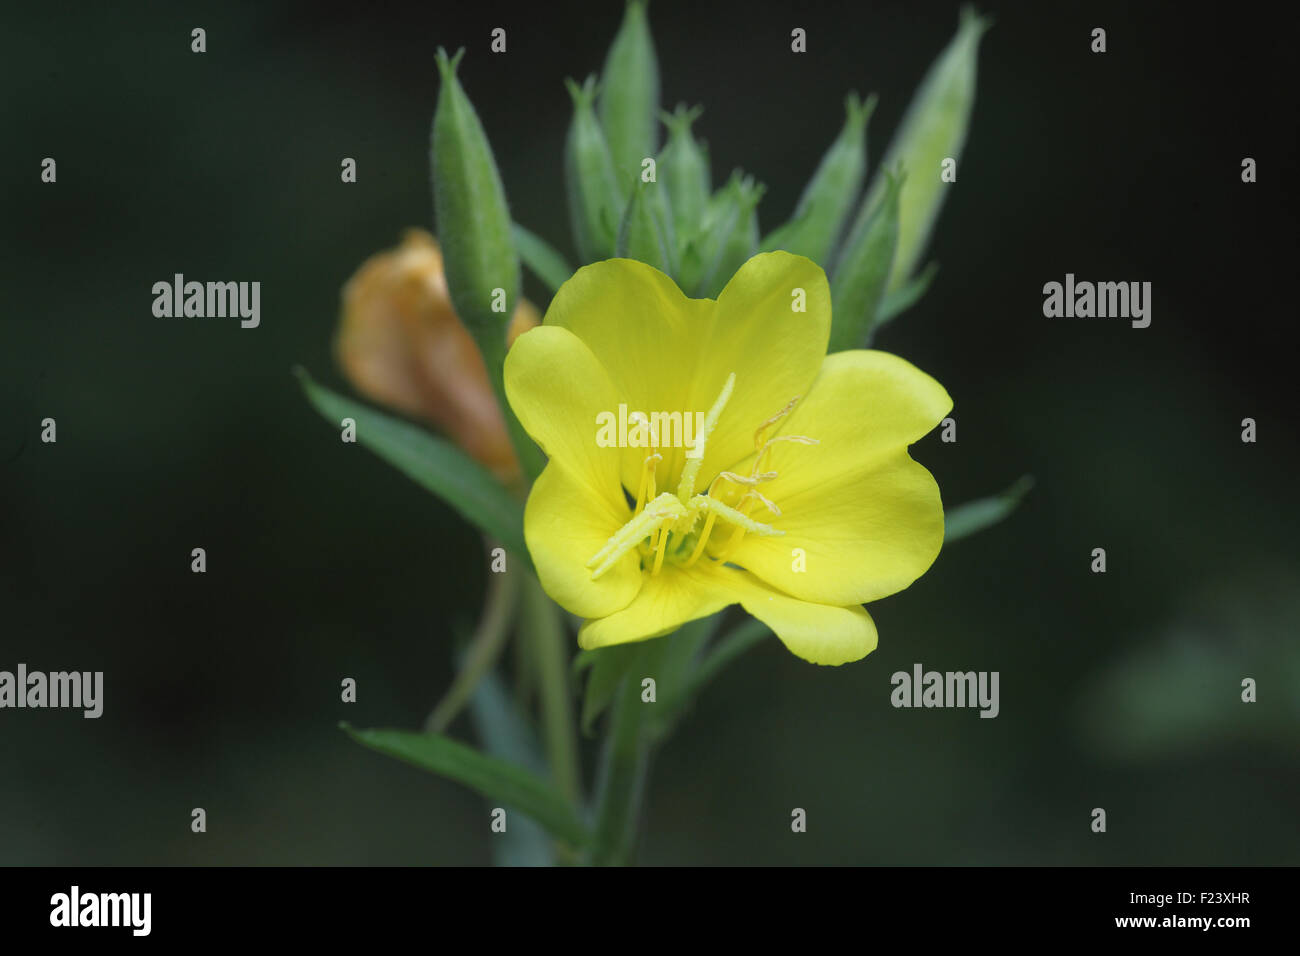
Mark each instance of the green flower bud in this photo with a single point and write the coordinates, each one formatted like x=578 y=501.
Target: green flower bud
x=474 y=229
x=474 y=225
x=862 y=271
x=629 y=97
x=659 y=198
x=729 y=237
x=595 y=196
x=827 y=200
x=933 y=130
x=683 y=166
x=644 y=234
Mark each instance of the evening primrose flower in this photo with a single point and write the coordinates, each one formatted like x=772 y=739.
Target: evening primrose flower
x=401 y=343
x=798 y=501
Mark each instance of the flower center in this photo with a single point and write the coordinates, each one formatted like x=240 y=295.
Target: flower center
x=665 y=524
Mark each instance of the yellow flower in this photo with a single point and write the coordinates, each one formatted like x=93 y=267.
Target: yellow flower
x=803 y=503
x=401 y=344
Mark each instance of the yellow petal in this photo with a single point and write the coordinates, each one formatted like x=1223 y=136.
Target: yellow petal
x=564 y=525
x=819 y=633
x=666 y=353
x=557 y=388
x=665 y=602
x=867 y=518
x=775 y=351
x=815 y=632
x=637 y=322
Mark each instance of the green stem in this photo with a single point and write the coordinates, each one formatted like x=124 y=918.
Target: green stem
x=624 y=771
x=484 y=647
x=730 y=647
x=544 y=632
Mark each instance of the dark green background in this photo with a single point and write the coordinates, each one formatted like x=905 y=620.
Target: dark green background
x=222 y=690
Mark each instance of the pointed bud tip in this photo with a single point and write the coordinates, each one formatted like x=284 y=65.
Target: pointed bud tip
x=748 y=190
x=584 y=95
x=1022 y=487
x=857 y=111
x=448 y=66
x=680 y=120
x=974 y=21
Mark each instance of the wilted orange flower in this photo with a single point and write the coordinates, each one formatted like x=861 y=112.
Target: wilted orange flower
x=402 y=345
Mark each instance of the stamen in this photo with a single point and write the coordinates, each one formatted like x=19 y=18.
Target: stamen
x=742 y=480
x=704 y=537
x=801 y=439
x=659 y=550
x=634 y=532
x=661 y=516
x=727 y=548
x=649 y=466
x=686 y=486
x=767 y=503
x=650 y=491
x=758 y=435
x=742 y=521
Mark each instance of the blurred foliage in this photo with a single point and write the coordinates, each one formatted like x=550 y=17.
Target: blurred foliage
x=1178 y=691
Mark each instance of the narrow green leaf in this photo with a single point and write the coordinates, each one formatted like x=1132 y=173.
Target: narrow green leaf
x=542 y=258
x=975 y=516
x=862 y=273
x=611 y=663
x=905 y=296
x=433 y=463
x=629 y=95
x=495 y=779
x=827 y=200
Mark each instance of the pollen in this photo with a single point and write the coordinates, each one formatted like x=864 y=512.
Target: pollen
x=662 y=527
